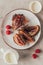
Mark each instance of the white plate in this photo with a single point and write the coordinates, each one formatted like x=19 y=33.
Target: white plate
x=8 y=20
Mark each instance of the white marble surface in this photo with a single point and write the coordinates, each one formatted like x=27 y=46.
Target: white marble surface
x=25 y=55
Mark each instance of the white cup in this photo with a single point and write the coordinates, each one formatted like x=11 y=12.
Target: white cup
x=35 y=6
x=10 y=57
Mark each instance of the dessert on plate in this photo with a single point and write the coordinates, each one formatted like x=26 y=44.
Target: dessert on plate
x=25 y=33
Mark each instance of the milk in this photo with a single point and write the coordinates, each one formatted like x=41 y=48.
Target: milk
x=11 y=57
x=35 y=6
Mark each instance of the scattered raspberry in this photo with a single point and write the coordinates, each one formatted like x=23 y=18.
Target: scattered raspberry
x=8 y=27
x=37 y=51
x=34 y=56
x=8 y=32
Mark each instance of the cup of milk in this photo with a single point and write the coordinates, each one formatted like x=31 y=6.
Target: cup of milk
x=10 y=57
x=35 y=6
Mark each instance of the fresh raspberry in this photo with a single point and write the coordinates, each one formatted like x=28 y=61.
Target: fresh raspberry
x=37 y=51
x=8 y=32
x=8 y=26
x=34 y=56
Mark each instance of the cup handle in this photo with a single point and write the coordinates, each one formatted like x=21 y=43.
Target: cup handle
x=2 y=50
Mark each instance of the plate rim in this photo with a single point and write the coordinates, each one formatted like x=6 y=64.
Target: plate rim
x=2 y=26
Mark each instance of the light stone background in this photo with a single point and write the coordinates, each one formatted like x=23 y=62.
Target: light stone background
x=25 y=55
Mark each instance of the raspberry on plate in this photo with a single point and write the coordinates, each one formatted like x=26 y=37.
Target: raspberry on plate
x=37 y=51
x=8 y=32
x=34 y=56
x=8 y=27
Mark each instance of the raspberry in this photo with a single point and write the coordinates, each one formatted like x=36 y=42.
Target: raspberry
x=37 y=51
x=8 y=32
x=8 y=27
x=34 y=56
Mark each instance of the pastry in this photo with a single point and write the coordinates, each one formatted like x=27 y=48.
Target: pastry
x=18 y=20
x=35 y=30
x=31 y=30
x=18 y=40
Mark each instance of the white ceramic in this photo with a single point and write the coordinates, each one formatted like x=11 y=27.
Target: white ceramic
x=33 y=20
x=10 y=57
x=35 y=6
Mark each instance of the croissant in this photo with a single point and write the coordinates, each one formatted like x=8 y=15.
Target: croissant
x=18 y=20
x=31 y=30
x=35 y=30
x=18 y=40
